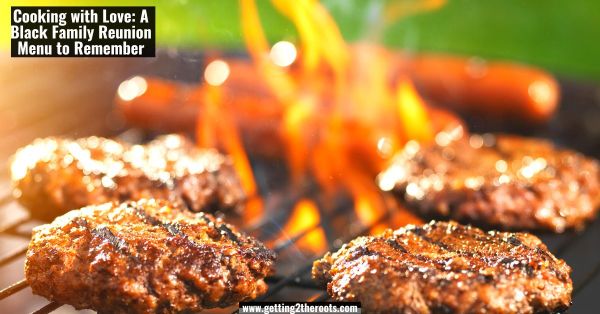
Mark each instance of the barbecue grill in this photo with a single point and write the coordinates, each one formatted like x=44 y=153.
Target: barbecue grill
x=337 y=221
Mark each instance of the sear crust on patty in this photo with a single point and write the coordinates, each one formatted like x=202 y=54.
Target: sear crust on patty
x=506 y=182
x=447 y=268
x=53 y=175
x=145 y=257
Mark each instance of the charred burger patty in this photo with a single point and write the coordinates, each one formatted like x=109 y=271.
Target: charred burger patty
x=145 y=257
x=447 y=268
x=500 y=181
x=54 y=175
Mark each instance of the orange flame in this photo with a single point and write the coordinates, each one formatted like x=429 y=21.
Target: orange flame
x=413 y=114
x=340 y=109
x=217 y=128
x=305 y=216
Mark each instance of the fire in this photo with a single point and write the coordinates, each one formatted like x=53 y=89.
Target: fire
x=412 y=113
x=339 y=103
x=365 y=211
x=304 y=217
x=216 y=124
x=345 y=111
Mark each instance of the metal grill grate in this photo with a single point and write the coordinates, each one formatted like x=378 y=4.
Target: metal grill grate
x=573 y=247
x=297 y=278
x=292 y=280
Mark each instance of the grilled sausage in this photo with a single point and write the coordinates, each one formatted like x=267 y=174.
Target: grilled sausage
x=494 y=89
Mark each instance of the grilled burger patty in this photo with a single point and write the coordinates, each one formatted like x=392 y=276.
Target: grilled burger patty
x=447 y=268
x=145 y=257
x=54 y=175
x=501 y=181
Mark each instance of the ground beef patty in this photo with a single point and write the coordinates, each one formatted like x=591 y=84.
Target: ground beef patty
x=446 y=267
x=54 y=175
x=145 y=257
x=502 y=181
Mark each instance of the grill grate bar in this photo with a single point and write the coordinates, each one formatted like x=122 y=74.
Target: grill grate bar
x=278 y=282
x=272 y=219
x=15 y=225
x=13 y=255
x=308 y=266
x=280 y=246
x=283 y=208
x=12 y=289
x=48 y=308
x=286 y=280
x=298 y=278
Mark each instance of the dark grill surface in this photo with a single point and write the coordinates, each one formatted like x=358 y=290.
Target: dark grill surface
x=338 y=222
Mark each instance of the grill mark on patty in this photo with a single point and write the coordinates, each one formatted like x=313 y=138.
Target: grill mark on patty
x=434 y=267
x=514 y=241
x=472 y=255
x=420 y=232
x=172 y=228
x=394 y=244
x=206 y=219
x=227 y=232
x=189 y=285
x=107 y=235
x=511 y=263
x=465 y=231
x=431 y=264
x=163 y=307
x=223 y=229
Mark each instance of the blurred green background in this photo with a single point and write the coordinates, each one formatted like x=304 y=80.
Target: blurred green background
x=559 y=35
